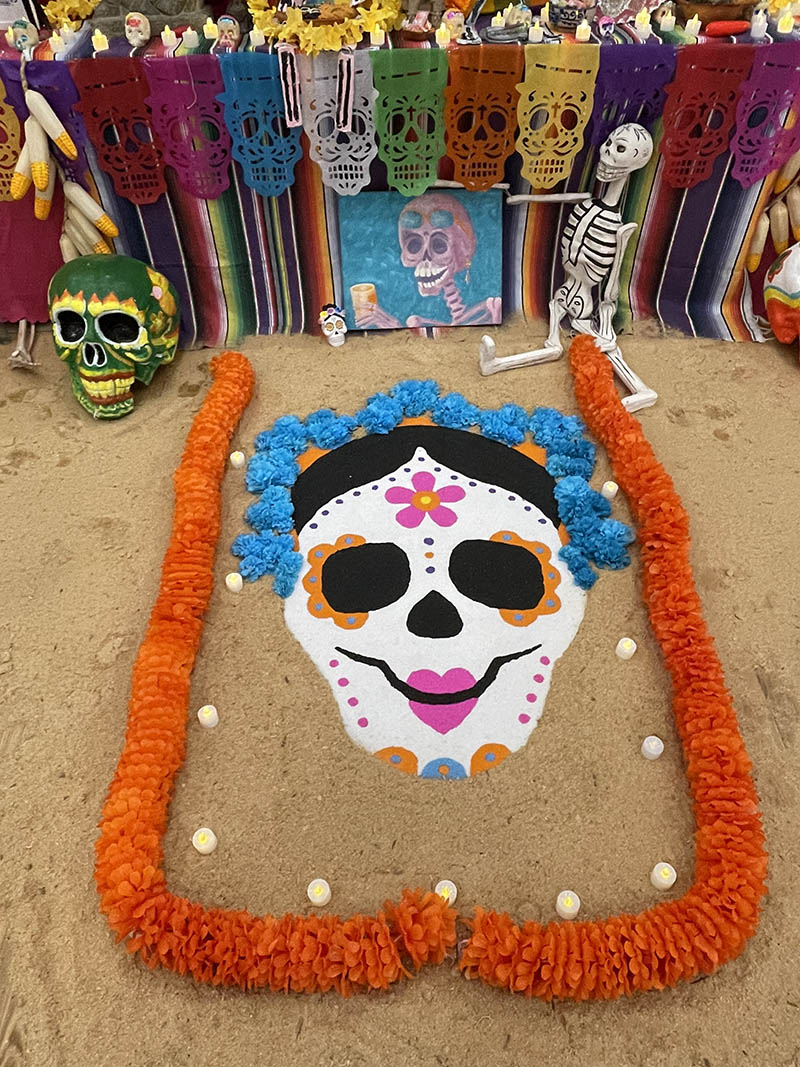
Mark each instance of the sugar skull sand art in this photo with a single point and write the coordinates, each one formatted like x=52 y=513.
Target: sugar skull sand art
x=432 y=591
x=115 y=321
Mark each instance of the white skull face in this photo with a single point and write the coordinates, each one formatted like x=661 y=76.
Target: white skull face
x=436 y=239
x=137 y=29
x=435 y=605
x=333 y=325
x=626 y=149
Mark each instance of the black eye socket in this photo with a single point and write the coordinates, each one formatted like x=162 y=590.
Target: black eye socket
x=71 y=326
x=365 y=577
x=497 y=575
x=117 y=327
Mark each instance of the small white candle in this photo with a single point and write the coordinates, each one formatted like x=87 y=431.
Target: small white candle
x=204 y=840
x=583 y=32
x=568 y=904
x=234 y=582
x=99 y=41
x=208 y=716
x=786 y=21
x=545 y=13
x=318 y=892
x=667 y=23
x=57 y=43
x=536 y=33
x=168 y=38
x=210 y=30
x=645 y=31
x=693 y=26
x=642 y=19
x=626 y=646
x=652 y=747
x=498 y=20
x=447 y=890
x=190 y=38
x=377 y=38
x=609 y=490
x=663 y=876
x=237 y=460
x=443 y=37
x=257 y=38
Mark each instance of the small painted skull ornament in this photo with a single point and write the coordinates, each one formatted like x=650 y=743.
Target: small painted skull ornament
x=115 y=321
x=334 y=328
x=782 y=295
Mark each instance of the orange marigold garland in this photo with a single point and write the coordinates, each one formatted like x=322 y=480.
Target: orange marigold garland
x=293 y=953
x=712 y=922
x=599 y=960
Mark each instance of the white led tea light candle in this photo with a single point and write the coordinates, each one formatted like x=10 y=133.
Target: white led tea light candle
x=609 y=490
x=667 y=23
x=204 y=840
x=237 y=460
x=626 y=646
x=447 y=890
x=234 y=582
x=568 y=904
x=583 y=32
x=208 y=716
x=693 y=26
x=536 y=33
x=318 y=892
x=663 y=876
x=652 y=747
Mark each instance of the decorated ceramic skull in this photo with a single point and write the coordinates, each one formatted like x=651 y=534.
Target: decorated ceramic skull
x=334 y=328
x=782 y=295
x=626 y=149
x=137 y=29
x=432 y=597
x=437 y=240
x=115 y=320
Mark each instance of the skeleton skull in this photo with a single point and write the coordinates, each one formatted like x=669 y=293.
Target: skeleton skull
x=114 y=320
x=432 y=598
x=334 y=328
x=137 y=29
x=626 y=149
x=436 y=239
x=782 y=295
x=229 y=34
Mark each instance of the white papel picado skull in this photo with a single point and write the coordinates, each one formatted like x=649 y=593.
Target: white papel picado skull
x=432 y=597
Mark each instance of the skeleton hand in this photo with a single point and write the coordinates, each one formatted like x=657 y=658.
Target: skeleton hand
x=377 y=318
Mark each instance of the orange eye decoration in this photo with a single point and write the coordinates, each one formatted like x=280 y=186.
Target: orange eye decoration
x=318 y=605
x=550 y=578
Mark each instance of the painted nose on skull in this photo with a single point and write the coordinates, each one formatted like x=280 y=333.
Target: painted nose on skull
x=94 y=355
x=434 y=616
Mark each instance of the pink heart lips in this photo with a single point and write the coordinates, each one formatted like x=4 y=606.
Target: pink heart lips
x=442 y=717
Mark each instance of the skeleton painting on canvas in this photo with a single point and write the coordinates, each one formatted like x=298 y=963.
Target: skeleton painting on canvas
x=437 y=243
x=593 y=244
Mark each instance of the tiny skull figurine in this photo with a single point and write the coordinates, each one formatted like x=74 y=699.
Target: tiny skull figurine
x=782 y=295
x=453 y=19
x=137 y=29
x=334 y=328
x=229 y=34
x=25 y=35
x=115 y=320
x=518 y=15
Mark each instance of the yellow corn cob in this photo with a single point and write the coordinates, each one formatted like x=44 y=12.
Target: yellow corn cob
x=21 y=178
x=39 y=153
x=50 y=123
x=779 y=226
x=788 y=172
x=43 y=199
x=90 y=208
x=68 y=249
x=793 y=204
x=756 y=249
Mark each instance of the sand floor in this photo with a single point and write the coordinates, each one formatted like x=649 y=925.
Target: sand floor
x=86 y=510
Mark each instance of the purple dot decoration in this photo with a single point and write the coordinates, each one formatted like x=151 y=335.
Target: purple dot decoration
x=313 y=525
x=428 y=541
x=429 y=570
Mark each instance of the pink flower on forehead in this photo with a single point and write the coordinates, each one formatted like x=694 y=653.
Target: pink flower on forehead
x=424 y=499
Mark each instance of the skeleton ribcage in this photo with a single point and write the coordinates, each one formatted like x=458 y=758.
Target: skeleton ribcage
x=590 y=238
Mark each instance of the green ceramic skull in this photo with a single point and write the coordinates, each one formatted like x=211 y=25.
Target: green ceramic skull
x=114 y=320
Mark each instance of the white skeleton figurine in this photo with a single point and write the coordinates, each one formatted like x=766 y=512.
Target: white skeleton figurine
x=592 y=248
